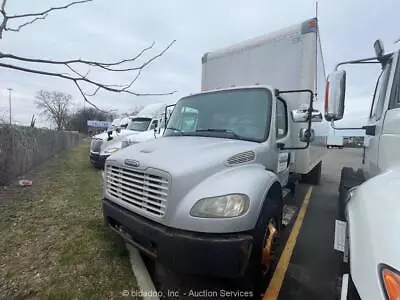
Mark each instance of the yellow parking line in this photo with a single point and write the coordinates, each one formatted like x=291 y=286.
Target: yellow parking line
x=275 y=284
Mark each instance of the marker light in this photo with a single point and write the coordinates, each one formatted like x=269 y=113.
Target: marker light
x=391 y=283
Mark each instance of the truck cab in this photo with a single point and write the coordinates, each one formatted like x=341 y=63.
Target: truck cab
x=212 y=185
x=368 y=206
x=106 y=143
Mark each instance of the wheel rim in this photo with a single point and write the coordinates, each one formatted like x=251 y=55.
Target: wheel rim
x=269 y=245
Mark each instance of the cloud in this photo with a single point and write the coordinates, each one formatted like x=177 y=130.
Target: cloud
x=109 y=30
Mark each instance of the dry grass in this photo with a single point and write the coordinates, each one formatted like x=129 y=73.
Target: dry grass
x=53 y=241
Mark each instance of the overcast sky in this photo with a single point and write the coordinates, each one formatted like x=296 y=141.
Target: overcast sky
x=111 y=30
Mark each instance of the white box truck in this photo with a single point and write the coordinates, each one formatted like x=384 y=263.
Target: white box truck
x=290 y=58
x=207 y=197
x=334 y=141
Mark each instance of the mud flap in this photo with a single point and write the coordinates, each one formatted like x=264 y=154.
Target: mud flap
x=345 y=287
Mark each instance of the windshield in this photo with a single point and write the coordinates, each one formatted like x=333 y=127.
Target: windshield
x=238 y=114
x=139 y=124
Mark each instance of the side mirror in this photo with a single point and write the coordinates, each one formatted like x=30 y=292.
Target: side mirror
x=301 y=115
x=306 y=135
x=379 y=49
x=335 y=92
x=109 y=133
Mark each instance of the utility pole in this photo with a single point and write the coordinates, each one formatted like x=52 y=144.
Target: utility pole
x=9 y=101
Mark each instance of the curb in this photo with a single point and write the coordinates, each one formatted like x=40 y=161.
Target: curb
x=144 y=282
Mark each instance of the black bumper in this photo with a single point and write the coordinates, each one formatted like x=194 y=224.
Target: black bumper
x=222 y=255
x=97 y=160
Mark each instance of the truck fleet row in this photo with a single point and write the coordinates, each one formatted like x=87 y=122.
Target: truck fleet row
x=213 y=183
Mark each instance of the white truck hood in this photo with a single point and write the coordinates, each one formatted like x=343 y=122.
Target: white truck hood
x=143 y=136
x=104 y=136
x=179 y=155
x=373 y=215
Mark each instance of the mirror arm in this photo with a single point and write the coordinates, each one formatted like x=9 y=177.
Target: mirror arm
x=370 y=60
x=310 y=111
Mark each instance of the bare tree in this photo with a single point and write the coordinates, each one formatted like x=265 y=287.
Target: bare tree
x=86 y=84
x=33 y=121
x=55 y=105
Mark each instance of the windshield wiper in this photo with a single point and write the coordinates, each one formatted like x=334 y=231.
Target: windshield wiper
x=175 y=129
x=228 y=131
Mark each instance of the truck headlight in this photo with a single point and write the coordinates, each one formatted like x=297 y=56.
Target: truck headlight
x=226 y=206
x=111 y=150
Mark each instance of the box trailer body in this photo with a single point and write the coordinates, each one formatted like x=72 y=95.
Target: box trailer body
x=287 y=59
x=334 y=141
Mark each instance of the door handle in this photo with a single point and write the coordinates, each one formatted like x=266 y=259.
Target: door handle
x=370 y=129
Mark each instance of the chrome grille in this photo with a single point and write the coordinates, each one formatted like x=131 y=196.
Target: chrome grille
x=149 y=192
x=95 y=145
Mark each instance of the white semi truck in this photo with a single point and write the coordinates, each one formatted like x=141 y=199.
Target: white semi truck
x=207 y=197
x=368 y=197
x=106 y=143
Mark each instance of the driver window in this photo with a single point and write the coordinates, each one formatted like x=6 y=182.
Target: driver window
x=281 y=119
x=380 y=93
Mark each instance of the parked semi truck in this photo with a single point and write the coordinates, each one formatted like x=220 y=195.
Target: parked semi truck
x=207 y=197
x=106 y=143
x=368 y=197
x=149 y=134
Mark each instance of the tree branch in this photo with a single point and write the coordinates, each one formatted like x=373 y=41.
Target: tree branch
x=48 y=10
x=79 y=79
x=25 y=24
x=86 y=99
x=3 y=6
x=103 y=65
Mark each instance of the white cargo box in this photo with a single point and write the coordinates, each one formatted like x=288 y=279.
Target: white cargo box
x=287 y=59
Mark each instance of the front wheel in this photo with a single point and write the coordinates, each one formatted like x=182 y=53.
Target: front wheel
x=266 y=235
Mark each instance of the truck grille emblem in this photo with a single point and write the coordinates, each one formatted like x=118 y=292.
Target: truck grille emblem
x=132 y=163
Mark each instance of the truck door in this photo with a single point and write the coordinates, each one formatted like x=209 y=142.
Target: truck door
x=374 y=127
x=390 y=139
x=282 y=137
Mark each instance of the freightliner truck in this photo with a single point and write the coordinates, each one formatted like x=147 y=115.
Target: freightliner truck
x=369 y=209
x=207 y=197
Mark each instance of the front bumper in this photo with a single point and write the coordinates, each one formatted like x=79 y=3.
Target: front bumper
x=222 y=255
x=97 y=160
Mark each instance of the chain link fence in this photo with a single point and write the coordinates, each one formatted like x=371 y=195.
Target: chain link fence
x=24 y=148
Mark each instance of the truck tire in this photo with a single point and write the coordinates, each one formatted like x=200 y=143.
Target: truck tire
x=257 y=272
x=314 y=176
x=348 y=179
